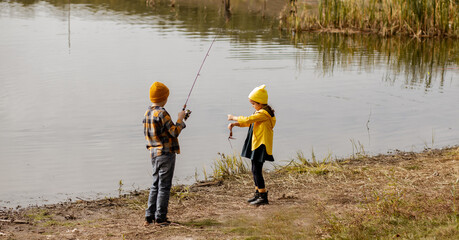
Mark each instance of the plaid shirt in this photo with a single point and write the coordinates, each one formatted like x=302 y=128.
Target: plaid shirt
x=160 y=132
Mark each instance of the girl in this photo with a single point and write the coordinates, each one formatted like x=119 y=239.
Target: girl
x=259 y=142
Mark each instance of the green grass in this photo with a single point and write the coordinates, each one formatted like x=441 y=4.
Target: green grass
x=44 y=218
x=39 y=215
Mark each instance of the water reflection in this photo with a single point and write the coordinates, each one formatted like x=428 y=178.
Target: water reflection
x=413 y=61
x=75 y=119
x=416 y=62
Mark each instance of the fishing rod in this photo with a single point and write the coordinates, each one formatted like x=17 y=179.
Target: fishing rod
x=187 y=111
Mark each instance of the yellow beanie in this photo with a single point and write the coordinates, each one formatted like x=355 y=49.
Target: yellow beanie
x=259 y=95
x=158 y=92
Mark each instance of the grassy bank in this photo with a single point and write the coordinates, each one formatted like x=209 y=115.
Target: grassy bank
x=422 y=18
x=399 y=195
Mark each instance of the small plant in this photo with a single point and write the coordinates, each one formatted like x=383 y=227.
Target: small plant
x=228 y=166
x=181 y=192
x=390 y=203
x=358 y=150
x=120 y=187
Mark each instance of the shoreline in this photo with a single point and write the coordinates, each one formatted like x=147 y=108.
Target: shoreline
x=347 y=198
x=96 y=196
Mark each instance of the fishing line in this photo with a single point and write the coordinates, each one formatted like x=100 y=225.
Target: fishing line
x=231 y=145
x=188 y=112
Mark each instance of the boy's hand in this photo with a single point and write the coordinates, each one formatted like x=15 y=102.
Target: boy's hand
x=231 y=118
x=181 y=116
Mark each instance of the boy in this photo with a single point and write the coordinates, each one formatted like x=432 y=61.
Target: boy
x=162 y=141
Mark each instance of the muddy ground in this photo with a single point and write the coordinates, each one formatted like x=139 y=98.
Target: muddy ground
x=300 y=202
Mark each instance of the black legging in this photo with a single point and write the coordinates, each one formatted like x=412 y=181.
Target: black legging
x=257 y=172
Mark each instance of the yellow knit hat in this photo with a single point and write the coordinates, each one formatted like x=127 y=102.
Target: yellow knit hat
x=158 y=92
x=259 y=95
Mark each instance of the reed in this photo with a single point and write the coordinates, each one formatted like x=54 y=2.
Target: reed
x=421 y=18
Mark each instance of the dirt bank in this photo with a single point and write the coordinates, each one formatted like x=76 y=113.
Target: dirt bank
x=407 y=195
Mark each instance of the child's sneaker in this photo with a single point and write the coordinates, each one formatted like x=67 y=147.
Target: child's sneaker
x=163 y=222
x=148 y=221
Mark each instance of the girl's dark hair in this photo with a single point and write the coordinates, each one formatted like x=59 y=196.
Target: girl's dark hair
x=269 y=109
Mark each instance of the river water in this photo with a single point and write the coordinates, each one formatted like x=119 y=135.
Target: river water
x=74 y=81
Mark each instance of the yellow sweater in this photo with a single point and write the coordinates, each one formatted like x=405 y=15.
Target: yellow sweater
x=263 y=125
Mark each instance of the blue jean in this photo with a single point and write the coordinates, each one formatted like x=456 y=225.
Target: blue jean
x=158 y=200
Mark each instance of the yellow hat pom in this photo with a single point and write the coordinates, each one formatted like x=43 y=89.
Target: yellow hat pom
x=158 y=92
x=259 y=95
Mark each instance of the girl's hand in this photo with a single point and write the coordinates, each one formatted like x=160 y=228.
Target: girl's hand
x=231 y=118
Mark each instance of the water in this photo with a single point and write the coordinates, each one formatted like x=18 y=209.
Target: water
x=75 y=78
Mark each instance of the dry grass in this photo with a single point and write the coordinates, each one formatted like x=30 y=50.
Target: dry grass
x=410 y=196
x=302 y=165
x=400 y=195
x=228 y=166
